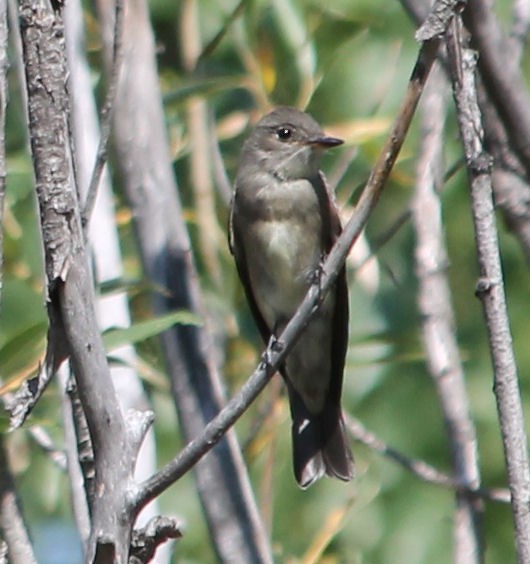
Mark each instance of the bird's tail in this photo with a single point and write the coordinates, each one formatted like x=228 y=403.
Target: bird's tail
x=320 y=446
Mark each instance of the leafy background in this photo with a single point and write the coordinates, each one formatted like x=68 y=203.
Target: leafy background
x=349 y=62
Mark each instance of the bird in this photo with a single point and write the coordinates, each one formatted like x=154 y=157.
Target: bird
x=283 y=222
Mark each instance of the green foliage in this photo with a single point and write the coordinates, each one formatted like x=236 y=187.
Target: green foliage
x=143 y=330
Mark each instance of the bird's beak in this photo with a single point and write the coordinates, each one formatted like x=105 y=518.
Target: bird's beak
x=325 y=142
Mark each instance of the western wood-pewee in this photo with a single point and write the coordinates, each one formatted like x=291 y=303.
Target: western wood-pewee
x=283 y=221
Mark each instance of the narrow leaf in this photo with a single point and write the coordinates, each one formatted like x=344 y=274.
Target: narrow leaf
x=142 y=330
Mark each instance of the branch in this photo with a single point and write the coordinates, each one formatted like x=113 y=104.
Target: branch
x=70 y=292
x=107 y=264
x=437 y=322
x=503 y=80
x=45 y=443
x=510 y=187
x=107 y=113
x=491 y=292
x=273 y=358
x=14 y=531
x=421 y=469
x=20 y=404
x=438 y=19
x=79 y=454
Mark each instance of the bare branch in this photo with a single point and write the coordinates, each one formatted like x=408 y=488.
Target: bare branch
x=69 y=288
x=502 y=78
x=438 y=19
x=490 y=290
x=20 y=404
x=437 y=321
x=510 y=189
x=46 y=444
x=14 y=531
x=79 y=454
x=107 y=112
x=421 y=469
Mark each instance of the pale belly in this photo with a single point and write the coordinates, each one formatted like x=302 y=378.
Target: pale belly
x=283 y=254
x=284 y=263
x=283 y=257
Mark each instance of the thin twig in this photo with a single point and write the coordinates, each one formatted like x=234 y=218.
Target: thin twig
x=12 y=526
x=490 y=290
x=503 y=80
x=420 y=468
x=232 y=17
x=107 y=113
x=273 y=357
x=46 y=444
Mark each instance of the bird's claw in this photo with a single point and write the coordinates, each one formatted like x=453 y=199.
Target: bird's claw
x=317 y=274
x=274 y=345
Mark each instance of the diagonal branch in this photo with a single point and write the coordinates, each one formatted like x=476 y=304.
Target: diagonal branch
x=421 y=469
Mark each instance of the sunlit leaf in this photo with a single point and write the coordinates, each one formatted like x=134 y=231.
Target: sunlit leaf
x=142 y=330
x=21 y=354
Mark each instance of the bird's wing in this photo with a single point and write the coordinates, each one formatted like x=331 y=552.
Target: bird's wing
x=237 y=249
x=332 y=226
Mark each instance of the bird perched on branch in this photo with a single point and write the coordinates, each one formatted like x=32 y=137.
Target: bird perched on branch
x=283 y=222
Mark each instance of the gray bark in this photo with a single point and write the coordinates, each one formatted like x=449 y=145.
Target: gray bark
x=490 y=289
x=70 y=292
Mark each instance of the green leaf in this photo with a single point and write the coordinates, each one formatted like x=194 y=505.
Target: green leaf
x=114 y=338
x=22 y=349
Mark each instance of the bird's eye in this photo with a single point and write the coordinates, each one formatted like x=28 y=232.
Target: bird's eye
x=284 y=133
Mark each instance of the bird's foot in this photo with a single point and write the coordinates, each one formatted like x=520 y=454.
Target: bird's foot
x=316 y=276
x=274 y=345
